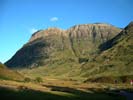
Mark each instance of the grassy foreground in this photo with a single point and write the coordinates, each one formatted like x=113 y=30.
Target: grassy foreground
x=51 y=91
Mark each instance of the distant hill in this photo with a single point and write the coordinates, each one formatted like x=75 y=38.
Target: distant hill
x=7 y=74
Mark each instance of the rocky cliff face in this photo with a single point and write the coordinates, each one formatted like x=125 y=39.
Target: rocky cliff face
x=54 y=45
x=86 y=38
x=94 y=31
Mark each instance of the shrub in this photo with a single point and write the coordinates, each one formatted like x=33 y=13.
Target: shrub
x=27 y=79
x=81 y=60
x=22 y=87
x=38 y=80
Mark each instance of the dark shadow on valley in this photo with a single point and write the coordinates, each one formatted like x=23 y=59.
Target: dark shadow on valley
x=74 y=94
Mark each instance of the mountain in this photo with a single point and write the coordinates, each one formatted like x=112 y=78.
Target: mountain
x=96 y=52
x=56 y=47
x=7 y=74
x=115 y=59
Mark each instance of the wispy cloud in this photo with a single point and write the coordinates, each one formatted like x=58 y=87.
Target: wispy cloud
x=33 y=30
x=54 y=19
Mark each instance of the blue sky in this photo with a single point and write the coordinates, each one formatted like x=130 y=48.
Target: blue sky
x=20 y=18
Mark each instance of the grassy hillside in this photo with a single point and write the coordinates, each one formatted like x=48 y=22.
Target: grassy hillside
x=6 y=74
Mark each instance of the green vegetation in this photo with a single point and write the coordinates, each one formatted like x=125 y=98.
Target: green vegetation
x=38 y=80
x=111 y=79
x=27 y=79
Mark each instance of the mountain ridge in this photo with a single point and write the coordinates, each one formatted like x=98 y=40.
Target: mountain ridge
x=110 y=43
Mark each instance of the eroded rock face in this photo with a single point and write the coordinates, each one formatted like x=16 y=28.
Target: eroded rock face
x=94 y=31
x=51 y=44
x=89 y=36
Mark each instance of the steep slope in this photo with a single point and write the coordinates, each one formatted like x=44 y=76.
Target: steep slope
x=116 y=58
x=86 y=38
x=56 y=47
x=127 y=32
x=44 y=47
x=9 y=74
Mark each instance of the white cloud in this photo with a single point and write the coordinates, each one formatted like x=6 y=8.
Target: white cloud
x=54 y=19
x=33 y=30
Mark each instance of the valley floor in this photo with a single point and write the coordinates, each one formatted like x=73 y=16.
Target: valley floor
x=51 y=89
